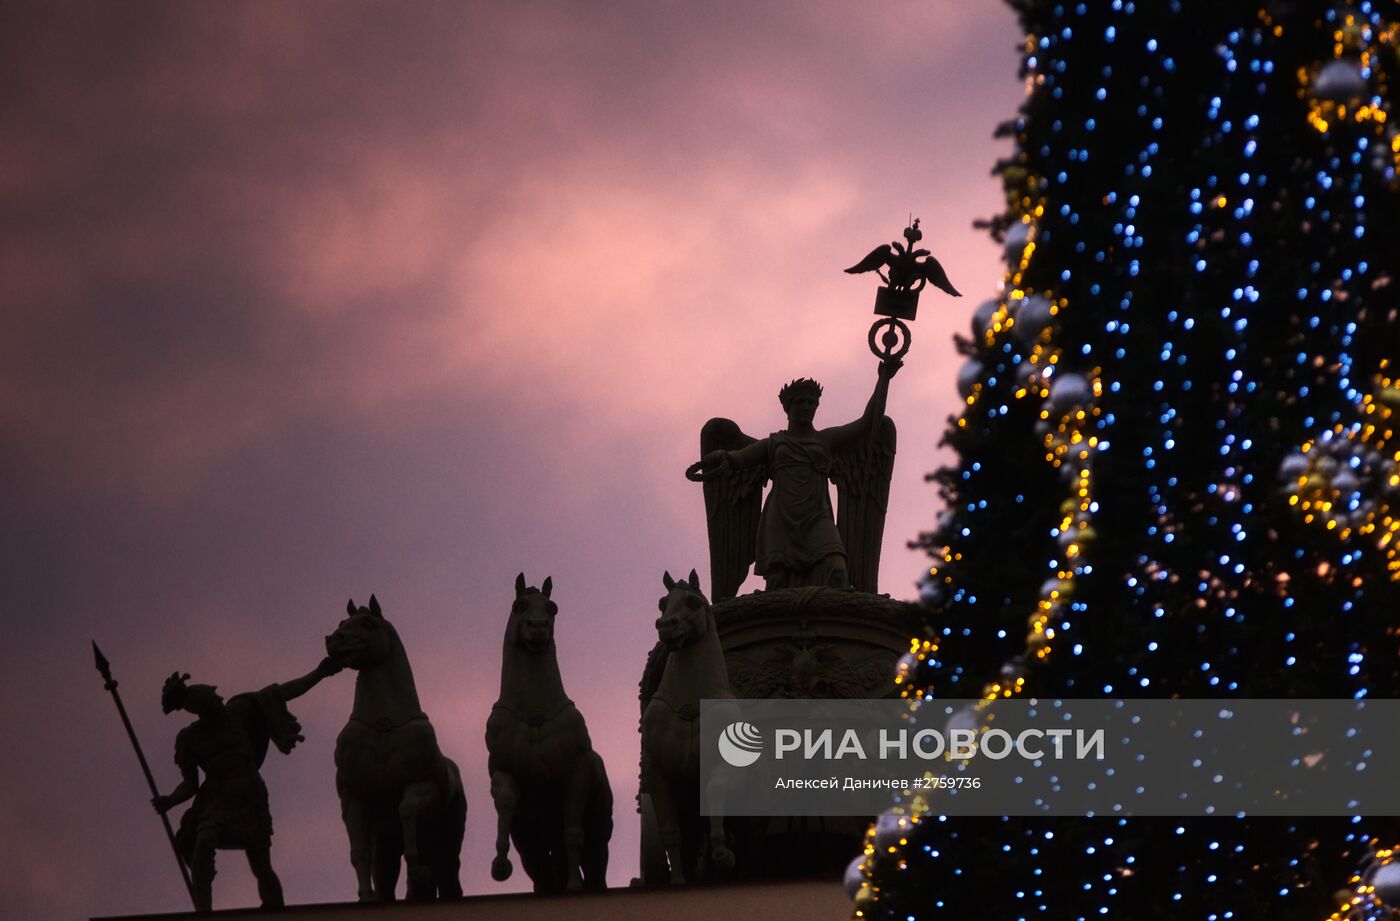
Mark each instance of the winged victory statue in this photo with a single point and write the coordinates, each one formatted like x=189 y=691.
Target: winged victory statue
x=794 y=539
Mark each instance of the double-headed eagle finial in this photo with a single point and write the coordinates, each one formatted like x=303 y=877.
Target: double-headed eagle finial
x=906 y=271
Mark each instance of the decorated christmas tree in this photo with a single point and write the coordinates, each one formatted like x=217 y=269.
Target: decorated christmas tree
x=1176 y=470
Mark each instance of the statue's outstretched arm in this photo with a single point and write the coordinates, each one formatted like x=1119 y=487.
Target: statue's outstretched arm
x=189 y=785
x=290 y=690
x=844 y=435
x=751 y=456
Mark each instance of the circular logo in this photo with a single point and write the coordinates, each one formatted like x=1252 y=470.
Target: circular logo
x=740 y=744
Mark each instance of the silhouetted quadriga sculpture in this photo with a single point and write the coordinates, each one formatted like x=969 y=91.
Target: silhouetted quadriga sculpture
x=549 y=786
x=227 y=743
x=400 y=797
x=818 y=629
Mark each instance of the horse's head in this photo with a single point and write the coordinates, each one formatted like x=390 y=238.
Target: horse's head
x=531 y=624
x=363 y=639
x=684 y=611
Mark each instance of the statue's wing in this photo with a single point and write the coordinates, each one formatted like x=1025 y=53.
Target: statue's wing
x=733 y=500
x=862 y=473
x=878 y=258
x=933 y=271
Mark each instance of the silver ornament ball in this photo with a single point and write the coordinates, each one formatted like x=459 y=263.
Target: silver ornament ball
x=982 y=318
x=889 y=828
x=1032 y=318
x=969 y=375
x=1386 y=879
x=1069 y=392
x=855 y=877
x=1017 y=235
x=1340 y=81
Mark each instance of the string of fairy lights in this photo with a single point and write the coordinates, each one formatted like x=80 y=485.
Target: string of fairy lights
x=1339 y=481
x=1020 y=326
x=1344 y=480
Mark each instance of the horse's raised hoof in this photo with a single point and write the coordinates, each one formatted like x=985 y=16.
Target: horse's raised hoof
x=501 y=869
x=722 y=856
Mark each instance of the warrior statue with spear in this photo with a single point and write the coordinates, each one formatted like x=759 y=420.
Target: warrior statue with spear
x=227 y=742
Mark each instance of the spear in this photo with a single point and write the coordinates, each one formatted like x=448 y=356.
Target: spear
x=105 y=668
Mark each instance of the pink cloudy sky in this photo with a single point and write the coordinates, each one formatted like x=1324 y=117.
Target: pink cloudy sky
x=301 y=301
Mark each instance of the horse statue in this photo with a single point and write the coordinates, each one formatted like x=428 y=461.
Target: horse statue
x=691 y=668
x=400 y=797
x=539 y=753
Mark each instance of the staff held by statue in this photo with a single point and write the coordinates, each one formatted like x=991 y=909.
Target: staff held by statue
x=105 y=669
